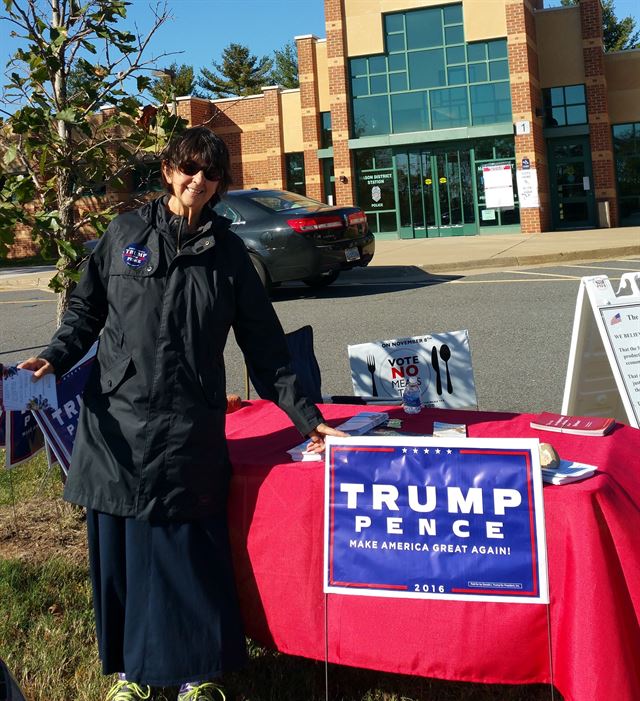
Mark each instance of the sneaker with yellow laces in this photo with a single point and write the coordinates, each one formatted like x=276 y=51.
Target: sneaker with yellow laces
x=201 y=691
x=124 y=690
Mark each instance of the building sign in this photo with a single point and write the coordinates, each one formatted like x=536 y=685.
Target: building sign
x=528 y=188
x=435 y=518
x=498 y=186
x=523 y=127
x=376 y=190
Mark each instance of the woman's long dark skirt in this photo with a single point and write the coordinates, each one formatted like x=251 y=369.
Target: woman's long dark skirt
x=164 y=598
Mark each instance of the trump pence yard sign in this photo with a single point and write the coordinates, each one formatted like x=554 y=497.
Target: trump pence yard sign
x=457 y=518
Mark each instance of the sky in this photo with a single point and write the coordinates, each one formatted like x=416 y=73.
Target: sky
x=200 y=29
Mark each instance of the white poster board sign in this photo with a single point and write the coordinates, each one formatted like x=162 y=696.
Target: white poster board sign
x=603 y=377
x=528 y=188
x=498 y=185
x=441 y=362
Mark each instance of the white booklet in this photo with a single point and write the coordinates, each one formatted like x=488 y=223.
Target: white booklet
x=357 y=425
x=21 y=393
x=567 y=472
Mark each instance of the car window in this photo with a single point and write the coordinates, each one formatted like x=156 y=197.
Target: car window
x=281 y=201
x=224 y=210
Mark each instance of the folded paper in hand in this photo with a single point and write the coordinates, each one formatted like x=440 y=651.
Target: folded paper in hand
x=357 y=425
x=21 y=393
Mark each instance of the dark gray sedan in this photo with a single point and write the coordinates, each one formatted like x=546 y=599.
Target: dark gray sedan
x=291 y=237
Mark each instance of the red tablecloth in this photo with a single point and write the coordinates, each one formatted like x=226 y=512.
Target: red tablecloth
x=593 y=531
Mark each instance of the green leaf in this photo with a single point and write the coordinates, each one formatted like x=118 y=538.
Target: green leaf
x=10 y=154
x=67 y=115
x=68 y=248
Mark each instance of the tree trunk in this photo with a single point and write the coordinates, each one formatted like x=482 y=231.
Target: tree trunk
x=67 y=220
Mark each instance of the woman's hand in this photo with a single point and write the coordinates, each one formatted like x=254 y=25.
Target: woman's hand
x=318 y=434
x=233 y=403
x=41 y=367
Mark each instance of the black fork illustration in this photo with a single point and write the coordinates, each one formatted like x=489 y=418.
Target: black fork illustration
x=371 y=367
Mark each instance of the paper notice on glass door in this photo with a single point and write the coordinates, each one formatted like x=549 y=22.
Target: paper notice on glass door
x=528 y=188
x=498 y=186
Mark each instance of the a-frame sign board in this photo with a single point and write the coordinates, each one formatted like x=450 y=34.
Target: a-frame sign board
x=603 y=377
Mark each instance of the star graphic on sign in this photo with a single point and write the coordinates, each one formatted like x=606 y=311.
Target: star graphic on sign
x=404 y=450
x=426 y=451
x=437 y=451
x=415 y=450
x=449 y=451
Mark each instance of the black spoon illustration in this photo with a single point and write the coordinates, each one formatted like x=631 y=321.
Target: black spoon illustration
x=436 y=367
x=445 y=354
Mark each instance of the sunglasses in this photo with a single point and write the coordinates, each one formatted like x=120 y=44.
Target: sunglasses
x=192 y=168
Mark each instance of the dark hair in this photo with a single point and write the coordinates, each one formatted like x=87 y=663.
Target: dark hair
x=203 y=146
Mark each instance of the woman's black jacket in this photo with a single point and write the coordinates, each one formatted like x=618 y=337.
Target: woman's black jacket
x=151 y=435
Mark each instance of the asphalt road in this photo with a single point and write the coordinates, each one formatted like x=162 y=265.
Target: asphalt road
x=519 y=324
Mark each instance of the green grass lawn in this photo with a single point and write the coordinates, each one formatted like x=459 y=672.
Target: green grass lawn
x=47 y=636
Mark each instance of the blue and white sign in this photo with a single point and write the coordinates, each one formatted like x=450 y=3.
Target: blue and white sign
x=447 y=518
x=23 y=438
x=59 y=425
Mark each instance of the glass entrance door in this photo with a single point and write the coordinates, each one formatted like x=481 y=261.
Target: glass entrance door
x=435 y=190
x=571 y=183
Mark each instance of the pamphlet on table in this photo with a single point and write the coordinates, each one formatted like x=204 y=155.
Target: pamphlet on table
x=568 y=471
x=580 y=425
x=357 y=425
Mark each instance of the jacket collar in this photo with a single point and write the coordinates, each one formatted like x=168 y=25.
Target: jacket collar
x=157 y=214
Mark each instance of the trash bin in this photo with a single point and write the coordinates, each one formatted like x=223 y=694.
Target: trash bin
x=604 y=218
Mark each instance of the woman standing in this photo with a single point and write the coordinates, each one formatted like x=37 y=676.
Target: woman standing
x=163 y=287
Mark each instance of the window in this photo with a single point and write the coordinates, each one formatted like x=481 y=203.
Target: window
x=429 y=78
x=371 y=116
x=326 y=138
x=626 y=147
x=294 y=163
x=565 y=106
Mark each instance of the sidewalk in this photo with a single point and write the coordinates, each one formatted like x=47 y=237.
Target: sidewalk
x=452 y=254
x=466 y=253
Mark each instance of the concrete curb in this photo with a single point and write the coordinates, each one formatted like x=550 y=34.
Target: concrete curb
x=533 y=259
x=26 y=282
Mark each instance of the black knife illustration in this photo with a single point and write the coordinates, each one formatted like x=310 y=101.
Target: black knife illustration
x=436 y=367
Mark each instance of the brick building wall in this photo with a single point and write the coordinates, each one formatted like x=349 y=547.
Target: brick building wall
x=526 y=103
x=603 y=163
x=310 y=105
x=339 y=101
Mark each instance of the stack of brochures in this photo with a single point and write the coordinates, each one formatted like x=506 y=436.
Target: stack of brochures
x=568 y=471
x=357 y=425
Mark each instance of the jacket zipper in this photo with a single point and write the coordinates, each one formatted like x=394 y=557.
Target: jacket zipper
x=180 y=234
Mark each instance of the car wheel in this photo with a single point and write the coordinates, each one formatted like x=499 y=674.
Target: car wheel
x=319 y=281
x=261 y=270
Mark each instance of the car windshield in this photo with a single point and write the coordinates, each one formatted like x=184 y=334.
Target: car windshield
x=282 y=201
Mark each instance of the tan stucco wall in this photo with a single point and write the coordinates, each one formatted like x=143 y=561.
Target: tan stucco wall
x=483 y=19
x=323 y=75
x=559 y=47
x=291 y=121
x=622 y=70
